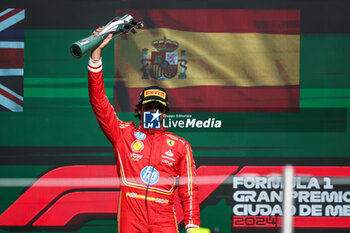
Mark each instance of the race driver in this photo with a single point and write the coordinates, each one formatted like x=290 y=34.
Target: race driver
x=150 y=162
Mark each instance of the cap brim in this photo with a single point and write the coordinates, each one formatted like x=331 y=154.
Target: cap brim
x=154 y=100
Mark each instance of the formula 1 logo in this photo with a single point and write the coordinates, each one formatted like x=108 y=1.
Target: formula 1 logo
x=64 y=198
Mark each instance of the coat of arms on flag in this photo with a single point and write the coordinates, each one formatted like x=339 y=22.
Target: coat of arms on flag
x=11 y=61
x=163 y=64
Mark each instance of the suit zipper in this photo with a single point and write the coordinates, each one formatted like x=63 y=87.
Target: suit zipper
x=149 y=180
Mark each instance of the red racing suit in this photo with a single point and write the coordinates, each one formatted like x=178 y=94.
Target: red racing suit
x=150 y=166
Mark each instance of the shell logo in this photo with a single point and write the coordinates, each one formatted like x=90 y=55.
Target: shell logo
x=137 y=146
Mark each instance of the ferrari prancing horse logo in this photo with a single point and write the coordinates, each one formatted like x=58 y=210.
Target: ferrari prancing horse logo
x=170 y=142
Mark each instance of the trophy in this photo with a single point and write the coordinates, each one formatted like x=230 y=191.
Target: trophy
x=116 y=26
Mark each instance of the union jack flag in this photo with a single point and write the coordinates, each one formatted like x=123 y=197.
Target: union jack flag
x=11 y=61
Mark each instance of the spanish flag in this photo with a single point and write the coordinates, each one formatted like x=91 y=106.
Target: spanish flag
x=220 y=60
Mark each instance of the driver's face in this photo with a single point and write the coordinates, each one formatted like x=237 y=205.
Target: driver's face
x=149 y=108
x=153 y=107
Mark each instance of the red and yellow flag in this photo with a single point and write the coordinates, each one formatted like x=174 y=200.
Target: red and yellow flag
x=212 y=60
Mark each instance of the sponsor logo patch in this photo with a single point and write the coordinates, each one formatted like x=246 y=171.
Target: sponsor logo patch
x=149 y=175
x=166 y=157
x=170 y=142
x=154 y=92
x=167 y=162
x=140 y=135
x=124 y=125
x=135 y=157
x=169 y=153
x=137 y=146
